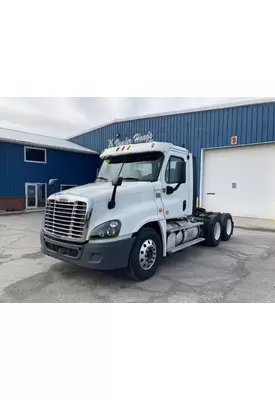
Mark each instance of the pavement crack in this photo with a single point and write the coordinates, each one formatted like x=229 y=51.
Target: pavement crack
x=6 y=262
x=15 y=241
x=268 y=253
x=242 y=272
x=238 y=255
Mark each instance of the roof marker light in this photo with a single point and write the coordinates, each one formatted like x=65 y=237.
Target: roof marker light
x=128 y=148
x=153 y=145
x=123 y=148
x=117 y=149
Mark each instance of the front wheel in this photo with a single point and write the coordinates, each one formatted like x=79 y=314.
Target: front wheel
x=145 y=255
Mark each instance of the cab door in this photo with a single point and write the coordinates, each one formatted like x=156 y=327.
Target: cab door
x=174 y=193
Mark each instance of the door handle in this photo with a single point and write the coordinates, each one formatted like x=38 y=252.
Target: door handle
x=184 y=205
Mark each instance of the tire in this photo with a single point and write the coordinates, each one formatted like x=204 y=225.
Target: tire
x=227 y=227
x=147 y=240
x=213 y=230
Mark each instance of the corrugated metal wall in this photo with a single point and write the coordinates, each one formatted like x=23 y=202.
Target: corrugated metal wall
x=198 y=130
x=69 y=167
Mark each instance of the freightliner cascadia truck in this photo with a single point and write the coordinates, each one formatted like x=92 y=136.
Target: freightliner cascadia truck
x=140 y=209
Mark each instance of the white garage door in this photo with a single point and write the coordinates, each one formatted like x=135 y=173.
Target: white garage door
x=240 y=180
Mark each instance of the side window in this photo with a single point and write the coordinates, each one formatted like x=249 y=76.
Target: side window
x=35 y=155
x=171 y=171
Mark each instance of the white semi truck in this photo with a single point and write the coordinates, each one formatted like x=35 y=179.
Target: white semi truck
x=141 y=208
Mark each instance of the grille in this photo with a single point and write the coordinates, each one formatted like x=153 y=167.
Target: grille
x=66 y=219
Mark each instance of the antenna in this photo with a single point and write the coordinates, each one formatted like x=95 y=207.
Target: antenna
x=184 y=146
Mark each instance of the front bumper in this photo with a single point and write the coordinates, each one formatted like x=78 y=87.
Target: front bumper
x=96 y=256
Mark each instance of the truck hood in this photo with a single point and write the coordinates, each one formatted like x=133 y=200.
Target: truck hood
x=102 y=191
x=135 y=203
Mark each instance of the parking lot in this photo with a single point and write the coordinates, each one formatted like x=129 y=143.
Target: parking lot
x=242 y=270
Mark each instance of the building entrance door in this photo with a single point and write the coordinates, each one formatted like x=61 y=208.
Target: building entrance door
x=35 y=195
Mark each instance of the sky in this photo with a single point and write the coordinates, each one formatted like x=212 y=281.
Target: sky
x=68 y=116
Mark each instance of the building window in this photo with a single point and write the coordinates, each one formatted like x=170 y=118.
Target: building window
x=171 y=172
x=66 y=187
x=35 y=155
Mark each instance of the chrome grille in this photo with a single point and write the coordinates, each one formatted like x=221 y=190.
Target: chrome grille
x=65 y=219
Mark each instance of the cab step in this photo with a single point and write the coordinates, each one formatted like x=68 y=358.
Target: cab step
x=185 y=245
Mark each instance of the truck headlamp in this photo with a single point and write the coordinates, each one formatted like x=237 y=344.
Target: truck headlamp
x=108 y=230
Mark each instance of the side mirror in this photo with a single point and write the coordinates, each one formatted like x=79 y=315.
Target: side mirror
x=117 y=181
x=181 y=172
x=52 y=182
x=179 y=177
x=169 y=190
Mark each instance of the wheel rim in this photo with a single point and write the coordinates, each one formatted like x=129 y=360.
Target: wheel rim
x=229 y=227
x=147 y=254
x=217 y=231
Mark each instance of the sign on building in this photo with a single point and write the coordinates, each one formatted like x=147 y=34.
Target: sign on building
x=138 y=138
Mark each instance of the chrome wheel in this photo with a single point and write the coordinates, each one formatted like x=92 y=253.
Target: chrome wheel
x=229 y=227
x=217 y=231
x=147 y=254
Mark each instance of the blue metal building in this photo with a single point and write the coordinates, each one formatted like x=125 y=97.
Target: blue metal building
x=28 y=161
x=227 y=126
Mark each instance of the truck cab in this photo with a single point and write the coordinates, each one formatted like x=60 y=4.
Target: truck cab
x=141 y=208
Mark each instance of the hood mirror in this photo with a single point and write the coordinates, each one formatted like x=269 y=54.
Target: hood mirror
x=52 y=182
x=115 y=182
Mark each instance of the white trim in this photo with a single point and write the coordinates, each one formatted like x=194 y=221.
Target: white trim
x=31 y=139
x=231 y=146
x=201 y=178
x=26 y=195
x=65 y=184
x=186 y=111
x=35 y=148
x=36 y=194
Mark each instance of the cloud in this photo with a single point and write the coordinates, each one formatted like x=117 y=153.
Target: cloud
x=64 y=117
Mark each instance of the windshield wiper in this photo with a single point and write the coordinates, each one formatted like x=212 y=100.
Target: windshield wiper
x=132 y=179
x=102 y=178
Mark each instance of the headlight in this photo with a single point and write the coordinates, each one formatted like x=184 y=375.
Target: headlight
x=108 y=230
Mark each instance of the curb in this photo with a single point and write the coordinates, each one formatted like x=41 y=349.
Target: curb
x=256 y=229
x=20 y=212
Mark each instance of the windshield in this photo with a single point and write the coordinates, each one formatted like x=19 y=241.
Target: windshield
x=132 y=167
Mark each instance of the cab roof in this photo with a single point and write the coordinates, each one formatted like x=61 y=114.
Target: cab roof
x=141 y=148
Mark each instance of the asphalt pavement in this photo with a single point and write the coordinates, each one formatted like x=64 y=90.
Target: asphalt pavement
x=242 y=270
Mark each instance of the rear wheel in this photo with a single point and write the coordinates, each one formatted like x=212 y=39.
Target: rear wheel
x=145 y=255
x=227 y=227
x=213 y=230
